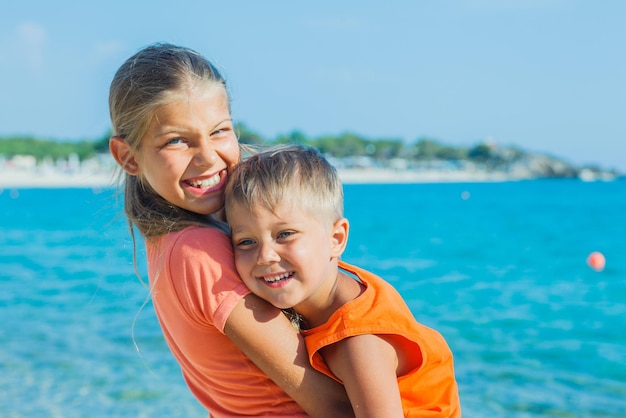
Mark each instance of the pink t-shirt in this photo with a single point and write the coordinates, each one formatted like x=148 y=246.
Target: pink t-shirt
x=194 y=289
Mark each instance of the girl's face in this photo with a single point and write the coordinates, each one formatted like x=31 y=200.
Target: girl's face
x=188 y=149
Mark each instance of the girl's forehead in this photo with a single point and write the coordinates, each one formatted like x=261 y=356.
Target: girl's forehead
x=193 y=91
x=188 y=104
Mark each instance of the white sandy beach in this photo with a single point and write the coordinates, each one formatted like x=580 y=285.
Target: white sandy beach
x=10 y=179
x=21 y=179
x=376 y=175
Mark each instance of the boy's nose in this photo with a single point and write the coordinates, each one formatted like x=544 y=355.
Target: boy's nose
x=267 y=255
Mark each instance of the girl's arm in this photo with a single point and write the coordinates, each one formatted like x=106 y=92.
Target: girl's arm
x=367 y=366
x=267 y=337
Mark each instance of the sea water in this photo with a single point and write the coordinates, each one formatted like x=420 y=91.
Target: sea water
x=498 y=268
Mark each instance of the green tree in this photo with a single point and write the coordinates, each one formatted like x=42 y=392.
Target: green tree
x=294 y=137
x=480 y=153
x=426 y=149
x=101 y=145
x=44 y=148
x=385 y=149
x=451 y=153
x=247 y=136
x=345 y=145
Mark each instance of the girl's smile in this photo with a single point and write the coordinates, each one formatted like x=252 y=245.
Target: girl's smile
x=203 y=185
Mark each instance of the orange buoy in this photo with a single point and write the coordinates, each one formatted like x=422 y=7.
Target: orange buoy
x=596 y=261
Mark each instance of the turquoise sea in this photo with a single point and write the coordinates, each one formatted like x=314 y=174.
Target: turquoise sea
x=498 y=268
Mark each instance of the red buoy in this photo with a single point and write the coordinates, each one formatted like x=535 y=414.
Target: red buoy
x=596 y=261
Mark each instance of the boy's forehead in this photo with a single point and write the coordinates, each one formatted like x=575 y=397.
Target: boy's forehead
x=288 y=209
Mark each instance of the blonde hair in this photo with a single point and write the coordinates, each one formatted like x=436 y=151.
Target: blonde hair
x=145 y=81
x=287 y=173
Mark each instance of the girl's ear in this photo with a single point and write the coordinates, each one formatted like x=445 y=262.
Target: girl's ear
x=123 y=154
x=339 y=237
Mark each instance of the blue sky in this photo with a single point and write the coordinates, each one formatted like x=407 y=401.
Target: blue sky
x=544 y=75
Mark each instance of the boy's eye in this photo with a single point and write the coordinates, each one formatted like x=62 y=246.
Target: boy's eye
x=284 y=234
x=245 y=242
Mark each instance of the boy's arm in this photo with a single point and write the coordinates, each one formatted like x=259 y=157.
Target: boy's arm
x=367 y=366
x=267 y=337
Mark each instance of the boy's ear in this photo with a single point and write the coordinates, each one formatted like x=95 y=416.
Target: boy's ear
x=339 y=238
x=123 y=154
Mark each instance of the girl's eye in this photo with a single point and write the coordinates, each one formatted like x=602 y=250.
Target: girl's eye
x=220 y=133
x=222 y=129
x=174 y=141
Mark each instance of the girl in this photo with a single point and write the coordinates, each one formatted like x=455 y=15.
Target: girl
x=174 y=138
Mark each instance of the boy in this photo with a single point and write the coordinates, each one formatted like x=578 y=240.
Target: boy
x=285 y=210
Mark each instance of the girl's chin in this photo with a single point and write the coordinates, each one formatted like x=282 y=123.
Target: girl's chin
x=204 y=206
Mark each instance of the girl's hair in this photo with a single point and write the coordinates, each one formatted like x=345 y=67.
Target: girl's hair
x=287 y=173
x=151 y=78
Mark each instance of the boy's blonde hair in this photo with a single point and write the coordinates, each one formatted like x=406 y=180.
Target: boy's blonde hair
x=152 y=77
x=287 y=173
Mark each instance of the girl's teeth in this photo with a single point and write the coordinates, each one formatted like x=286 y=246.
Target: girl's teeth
x=205 y=183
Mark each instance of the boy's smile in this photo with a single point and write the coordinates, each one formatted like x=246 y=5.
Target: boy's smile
x=277 y=280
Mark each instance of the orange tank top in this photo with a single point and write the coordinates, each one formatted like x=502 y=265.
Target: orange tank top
x=427 y=391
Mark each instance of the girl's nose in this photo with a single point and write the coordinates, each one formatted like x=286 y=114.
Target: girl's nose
x=206 y=155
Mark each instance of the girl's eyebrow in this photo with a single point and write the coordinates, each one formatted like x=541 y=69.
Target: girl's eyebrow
x=169 y=130
x=221 y=122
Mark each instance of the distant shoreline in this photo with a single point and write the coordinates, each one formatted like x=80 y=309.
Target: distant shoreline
x=22 y=179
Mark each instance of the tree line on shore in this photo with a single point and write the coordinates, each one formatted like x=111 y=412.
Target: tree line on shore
x=338 y=146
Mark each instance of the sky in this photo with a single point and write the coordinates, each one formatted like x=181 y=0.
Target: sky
x=547 y=76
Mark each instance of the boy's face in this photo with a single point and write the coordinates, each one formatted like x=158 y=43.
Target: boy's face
x=288 y=256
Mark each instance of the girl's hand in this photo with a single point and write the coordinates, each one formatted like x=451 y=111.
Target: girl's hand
x=267 y=337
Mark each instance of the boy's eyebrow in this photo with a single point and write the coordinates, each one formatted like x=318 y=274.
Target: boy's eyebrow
x=280 y=224
x=236 y=230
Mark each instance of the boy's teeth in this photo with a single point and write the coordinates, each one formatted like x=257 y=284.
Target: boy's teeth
x=205 y=183
x=271 y=279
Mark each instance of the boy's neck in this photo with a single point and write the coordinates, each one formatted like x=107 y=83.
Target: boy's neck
x=316 y=311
